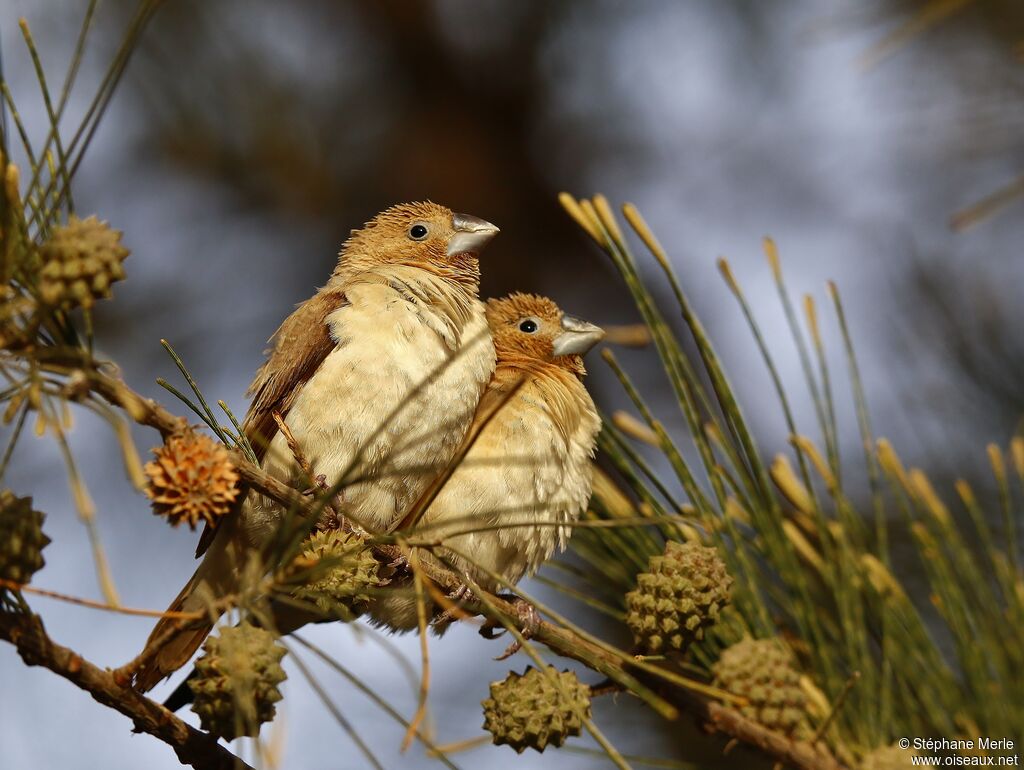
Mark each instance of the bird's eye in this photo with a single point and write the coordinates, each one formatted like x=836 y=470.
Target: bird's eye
x=529 y=326
x=418 y=232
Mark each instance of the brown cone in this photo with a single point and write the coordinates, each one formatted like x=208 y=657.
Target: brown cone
x=191 y=479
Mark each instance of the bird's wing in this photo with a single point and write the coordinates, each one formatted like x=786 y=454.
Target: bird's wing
x=296 y=350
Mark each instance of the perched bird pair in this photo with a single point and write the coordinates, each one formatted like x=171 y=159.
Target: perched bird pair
x=527 y=475
x=383 y=378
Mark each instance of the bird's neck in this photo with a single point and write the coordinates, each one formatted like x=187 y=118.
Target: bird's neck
x=559 y=390
x=461 y=269
x=449 y=303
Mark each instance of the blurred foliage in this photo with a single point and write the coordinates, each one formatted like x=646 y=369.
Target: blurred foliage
x=967 y=317
x=362 y=104
x=810 y=565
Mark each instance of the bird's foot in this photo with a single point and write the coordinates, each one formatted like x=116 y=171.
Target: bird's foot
x=319 y=485
x=460 y=593
x=394 y=572
x=398 y=566
x=330 y=520
x=527 y=620
x=331 y=517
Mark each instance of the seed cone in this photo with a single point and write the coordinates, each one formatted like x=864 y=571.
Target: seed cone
x=21 y=538
x=530 y=710
x=888 y=758
x=191 y=479
x=80 y=261
x=679 y=596
x=762 y=670
x=342 y=568
x=236 y=681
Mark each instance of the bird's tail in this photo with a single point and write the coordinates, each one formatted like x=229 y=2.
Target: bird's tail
x=174 y=640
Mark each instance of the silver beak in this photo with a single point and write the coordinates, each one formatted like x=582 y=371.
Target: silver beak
x=471 y=234
x=578 y=337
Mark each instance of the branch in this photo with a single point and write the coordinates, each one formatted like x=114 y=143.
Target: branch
x=560 y=640
x=728 y=721
x=192 y=746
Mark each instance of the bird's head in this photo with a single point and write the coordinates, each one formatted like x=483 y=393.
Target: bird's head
x=424 y=235
x=530 y=330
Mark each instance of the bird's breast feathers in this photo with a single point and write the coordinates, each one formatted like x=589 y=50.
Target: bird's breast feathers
x=389 y=405
x=524 y=467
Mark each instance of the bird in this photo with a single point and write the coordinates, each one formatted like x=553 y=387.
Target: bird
x=524 y=475
x=526 y=472
x=377 y=377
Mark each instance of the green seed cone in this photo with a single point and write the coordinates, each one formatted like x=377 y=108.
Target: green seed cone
x=763 y=671
x=530 y=710
x=236 y=681
x=681 y=594
x=888 y=758
x=341 y=570
x=80 y=261
x=21 y=538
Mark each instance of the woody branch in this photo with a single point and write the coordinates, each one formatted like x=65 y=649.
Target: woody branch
x=193 y=747
x=560 y=640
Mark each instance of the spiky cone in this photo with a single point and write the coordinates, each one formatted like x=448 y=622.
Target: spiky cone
x=532 y=711
x=338 y=570
x=763 y=671
x=888 y=758
x=236 y=679
x=21 y=538
x=191 y=479
x=681 y=594
x=79 y=263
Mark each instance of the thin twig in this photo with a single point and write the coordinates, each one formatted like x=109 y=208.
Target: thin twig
x=335 y=712
x=293 y=445
x=10 y=584
x=438 y=752
x=421 y=620
x=819 y=734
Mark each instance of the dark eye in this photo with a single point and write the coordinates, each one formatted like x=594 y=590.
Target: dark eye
x=418 y=232
x=529 y=326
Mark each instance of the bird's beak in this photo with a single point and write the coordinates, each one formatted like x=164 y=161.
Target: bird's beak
x=578 y=337
x=471 y=235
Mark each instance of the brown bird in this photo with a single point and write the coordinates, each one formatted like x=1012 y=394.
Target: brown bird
x=377 y=376
x=526 y=476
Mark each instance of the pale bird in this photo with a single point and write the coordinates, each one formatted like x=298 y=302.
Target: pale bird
x=377 y=376
x=526 y=476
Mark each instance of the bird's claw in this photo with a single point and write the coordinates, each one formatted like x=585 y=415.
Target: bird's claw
x=395 y=571
x=319 y=485
x=459 y=594
x=331 y=517
x=527 y=620
x=398 y=564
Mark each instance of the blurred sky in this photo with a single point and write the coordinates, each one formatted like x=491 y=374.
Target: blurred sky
x=249 y=137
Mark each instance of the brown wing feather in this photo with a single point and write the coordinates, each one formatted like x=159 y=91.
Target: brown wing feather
x=297 y=349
